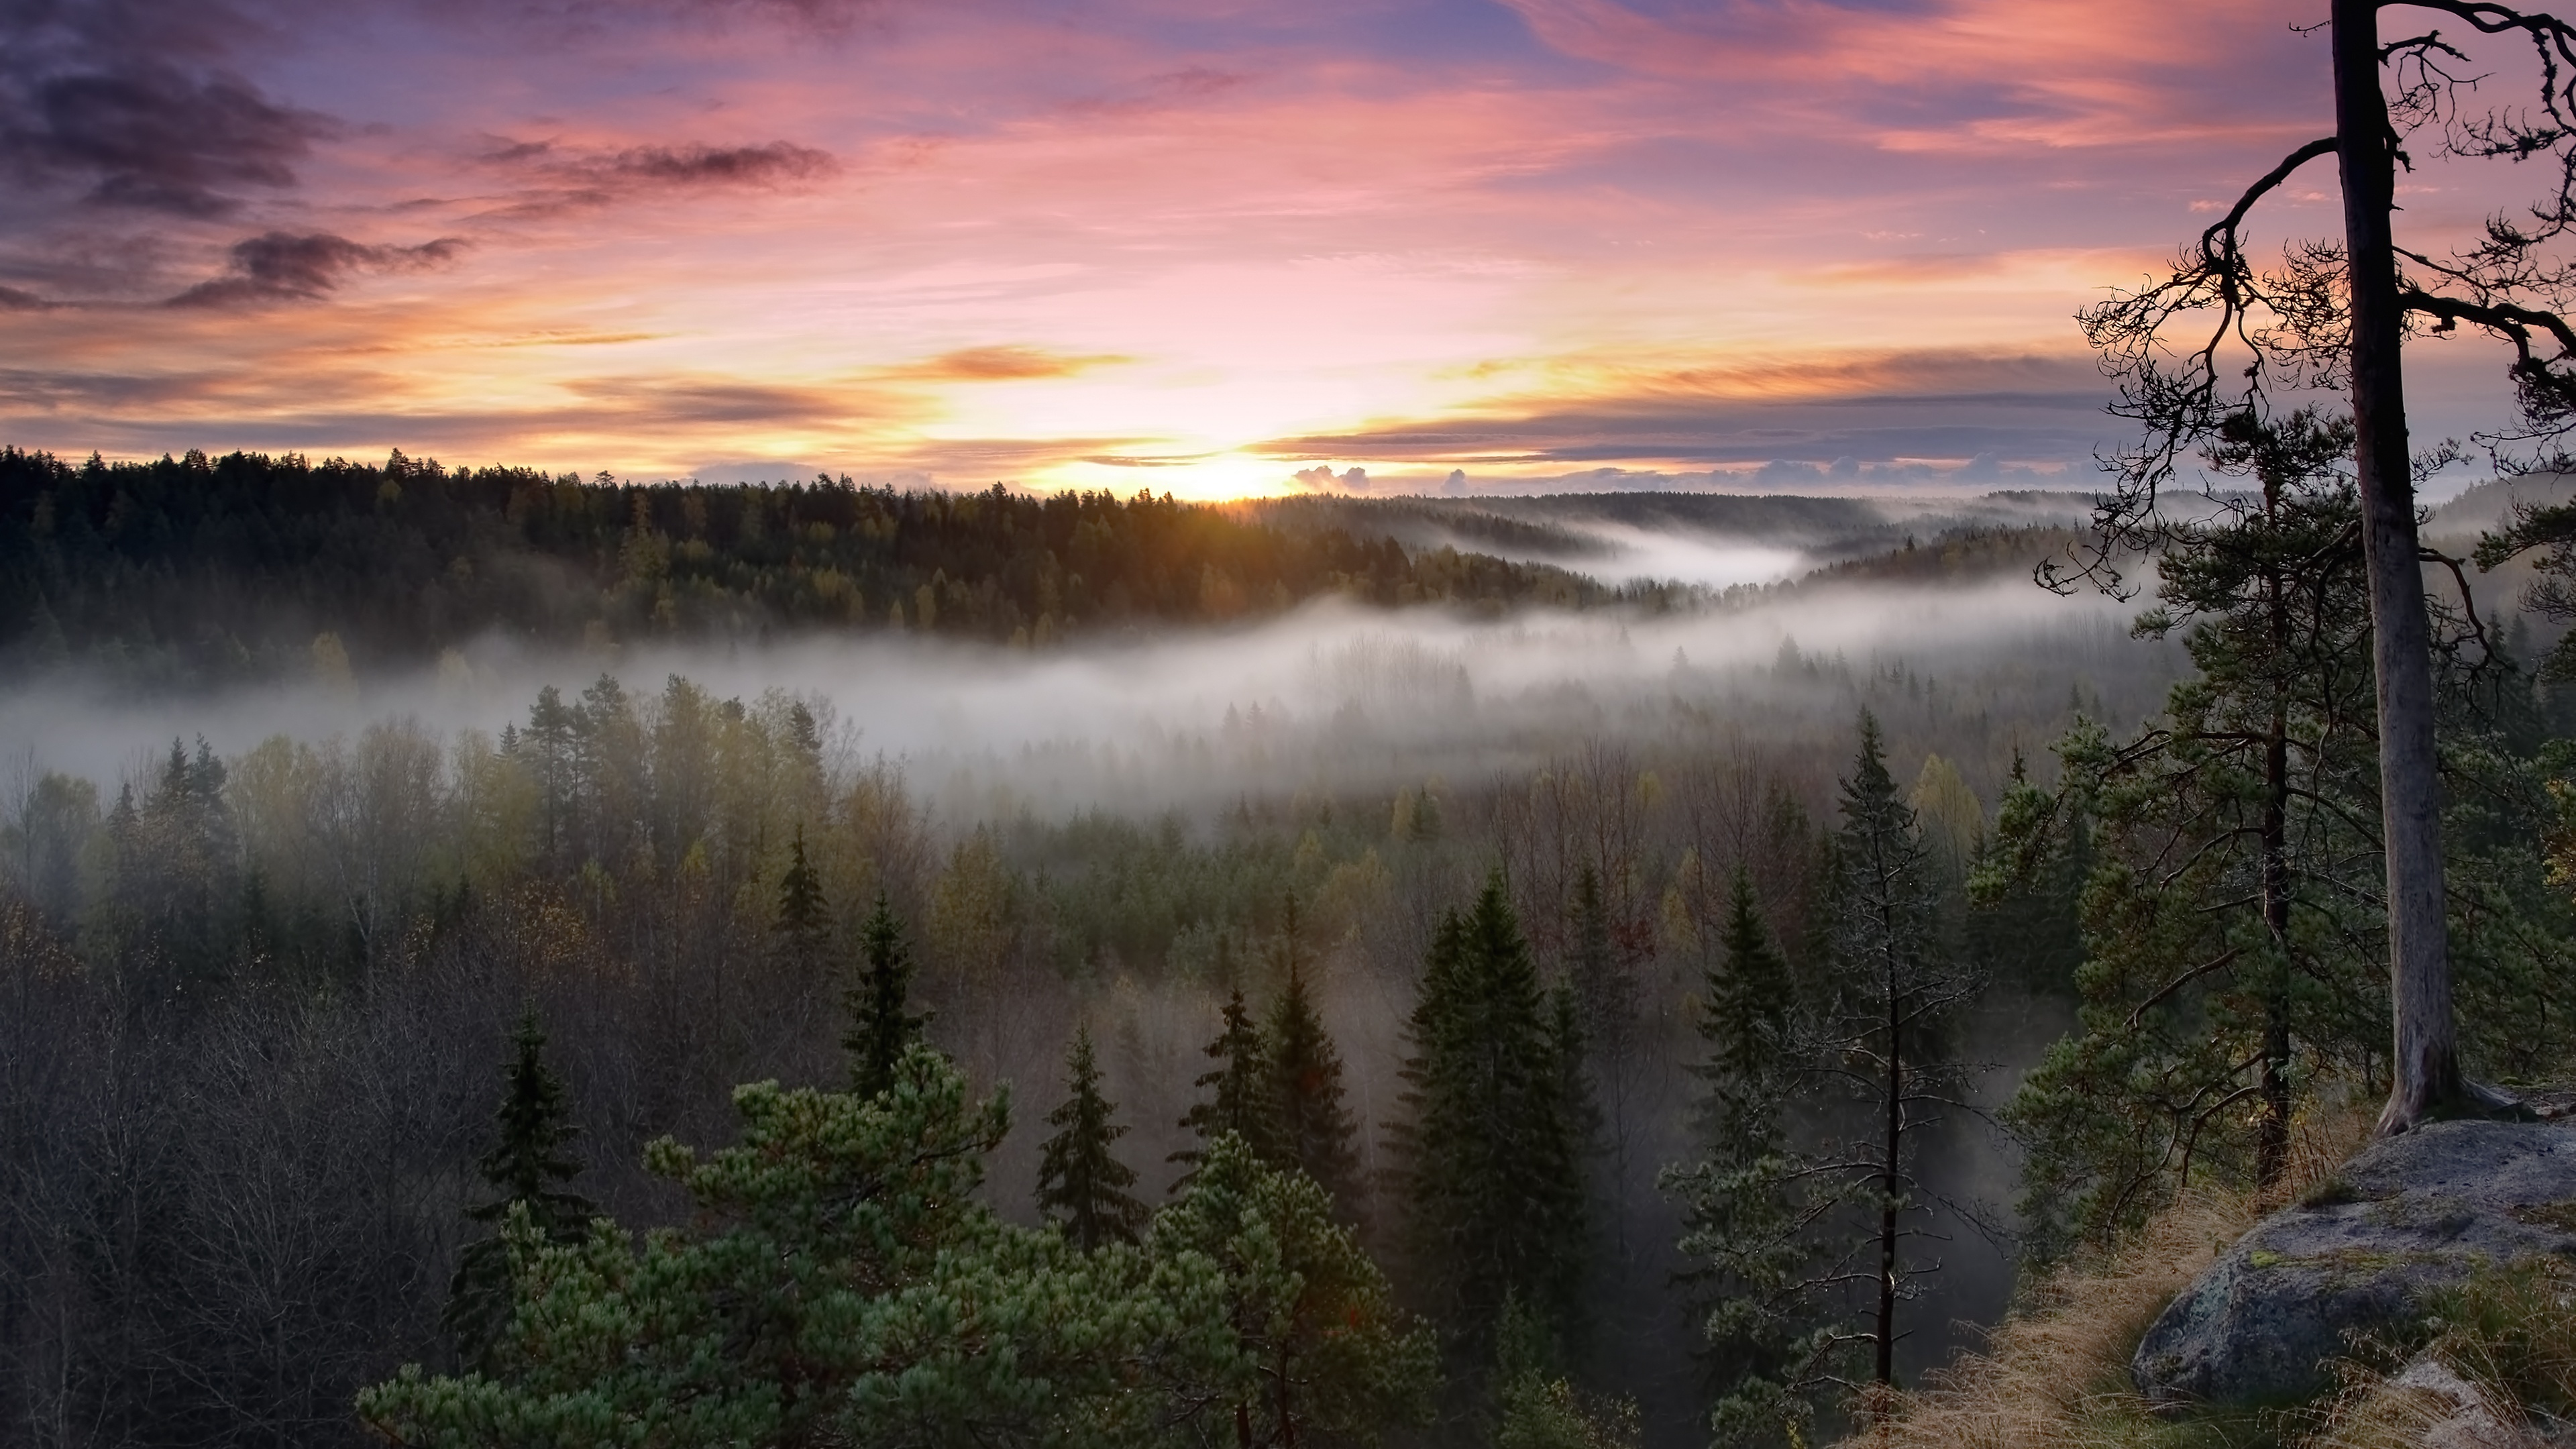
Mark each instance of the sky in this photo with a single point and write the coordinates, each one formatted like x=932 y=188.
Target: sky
x=1207 y=247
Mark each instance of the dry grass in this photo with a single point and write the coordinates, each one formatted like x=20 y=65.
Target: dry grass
x=2510 y=1333
x=2055 y=1375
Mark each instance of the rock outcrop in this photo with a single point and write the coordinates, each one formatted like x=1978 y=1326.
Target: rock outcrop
x=2406 y=1218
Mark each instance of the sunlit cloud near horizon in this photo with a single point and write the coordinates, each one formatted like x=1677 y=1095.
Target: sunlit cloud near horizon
x=1217 y=250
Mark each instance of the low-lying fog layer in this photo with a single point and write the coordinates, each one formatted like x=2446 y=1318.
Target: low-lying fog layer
x=1333 y=697
x=1714 y=541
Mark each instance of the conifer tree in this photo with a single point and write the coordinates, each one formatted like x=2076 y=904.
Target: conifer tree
x=1896 y=988
x=804 y=940
x=1081 y=1183
x=1493 y=1169
x=1313 y=1130
x=1750 y=1230
x=1329 y=1350
x=882 y=1026
x=1744 y=1025
x=2025 y=886
x=527 y=1165
x=1538 y=1407
x=837 y=1279
x=1238 y=1091
x=2228 y=930
x=1607 y=996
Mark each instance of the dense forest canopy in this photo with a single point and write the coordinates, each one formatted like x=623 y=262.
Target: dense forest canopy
x=1496 y=1049
x=198 y=569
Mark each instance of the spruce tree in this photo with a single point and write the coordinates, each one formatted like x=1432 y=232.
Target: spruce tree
x=881 y=1026
x=1896 y=989
x=1238 y=1088
x=1314 y=1131
x=1747 y=1002
x=526 y=1168
x=1605 y=992
x=1493 y=1157
x=1765 y=1330
x=1081 y=1183
x=1601 y=991
x=804 y=930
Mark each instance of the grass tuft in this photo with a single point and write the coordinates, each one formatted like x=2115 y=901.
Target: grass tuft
x=2055 y=1374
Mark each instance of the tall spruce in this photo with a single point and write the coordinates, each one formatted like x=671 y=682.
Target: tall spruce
x=1603 y=990
x=1756 y=1260
x=882 y=1025
x=1238 y=1091
x=1748 y=1000
x=1493 y=1168
x=804 y=928
x=1081 y=1183
x=1313 y=1129
x=1896 y=991
x=526 y=1167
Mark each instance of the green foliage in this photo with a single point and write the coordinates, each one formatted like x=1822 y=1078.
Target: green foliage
x=168 y=914
x=1783 y=1235
x=526 y=1167
x=804 y=924
x=2234 y=946
x=1313 y=1130
x=1540 y=1408
x=1750 y=1212
x=112 y=562
x=1493 y=1153
x=1082 y=1186
x=2025 y=885
x=1238 y=1087
x=1313 y=1319
x=839 y=1283
x=2512 y=1328
x=1748 y=1005
x=882 y=1025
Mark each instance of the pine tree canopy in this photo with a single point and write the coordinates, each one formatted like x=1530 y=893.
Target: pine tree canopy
x=1309 y=1309
x=837 y=1281
x=1081 y=1183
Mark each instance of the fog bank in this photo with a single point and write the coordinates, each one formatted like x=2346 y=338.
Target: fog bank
x=1332 y=697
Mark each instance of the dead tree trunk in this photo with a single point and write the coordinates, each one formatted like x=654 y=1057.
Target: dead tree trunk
x=2426 y=1064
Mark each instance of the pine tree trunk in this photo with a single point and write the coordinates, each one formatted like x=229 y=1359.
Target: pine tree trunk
x=2272 y=1136
x=2426 y=1062
x=1287 y=1420
x=1888 y=1184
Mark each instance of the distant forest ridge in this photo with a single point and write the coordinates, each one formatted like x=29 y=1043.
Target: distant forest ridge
x=1577 y=528
x=201 y=570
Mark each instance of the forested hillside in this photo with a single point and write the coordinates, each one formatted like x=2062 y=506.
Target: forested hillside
x=1635 y=1029
x=198 y=569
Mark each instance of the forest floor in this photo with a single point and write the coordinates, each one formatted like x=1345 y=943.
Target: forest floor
x=2055 y=1373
